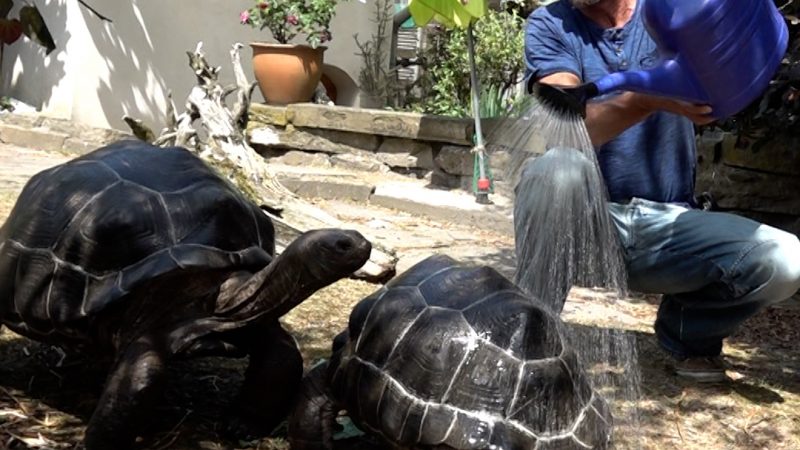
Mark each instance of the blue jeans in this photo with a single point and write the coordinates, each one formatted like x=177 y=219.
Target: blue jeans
x=715 y=269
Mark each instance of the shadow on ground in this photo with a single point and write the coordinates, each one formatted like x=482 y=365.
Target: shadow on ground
x=48 y=406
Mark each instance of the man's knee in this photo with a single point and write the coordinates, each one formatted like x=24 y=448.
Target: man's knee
x=779 y=259
x=559 y=169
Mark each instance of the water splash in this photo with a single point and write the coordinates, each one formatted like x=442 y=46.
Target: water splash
x=565 y=237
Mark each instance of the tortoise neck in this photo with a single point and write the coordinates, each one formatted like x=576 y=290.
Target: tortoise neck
x=269 y=293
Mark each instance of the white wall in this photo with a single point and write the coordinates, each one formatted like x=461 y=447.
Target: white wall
x=102 y=71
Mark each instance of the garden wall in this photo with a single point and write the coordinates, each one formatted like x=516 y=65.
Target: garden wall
x=763 y=184
x=433 y=147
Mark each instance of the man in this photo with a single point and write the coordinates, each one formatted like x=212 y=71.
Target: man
x=714 y=269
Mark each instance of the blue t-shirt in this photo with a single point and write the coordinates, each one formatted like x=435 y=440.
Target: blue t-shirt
x=654 y=159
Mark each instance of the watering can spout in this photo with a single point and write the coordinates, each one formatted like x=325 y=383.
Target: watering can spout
x=668 y=79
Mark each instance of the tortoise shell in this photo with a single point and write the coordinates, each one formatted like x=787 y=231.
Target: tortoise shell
x=85 y=234
x=458 y=356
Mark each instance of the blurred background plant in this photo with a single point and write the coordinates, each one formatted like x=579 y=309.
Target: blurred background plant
x=444 y=86
x=376 y=78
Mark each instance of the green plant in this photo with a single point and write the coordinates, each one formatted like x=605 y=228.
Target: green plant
x=375 y=77
x=498 y=46
x=285 y=19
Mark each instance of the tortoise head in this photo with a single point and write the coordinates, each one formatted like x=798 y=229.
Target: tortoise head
x=330 y=254
x=312 y=261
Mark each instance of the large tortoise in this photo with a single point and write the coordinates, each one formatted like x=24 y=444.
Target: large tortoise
x=452 y=357
x=144 y=254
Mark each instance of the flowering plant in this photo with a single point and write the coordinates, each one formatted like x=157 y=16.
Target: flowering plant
x=288 y=18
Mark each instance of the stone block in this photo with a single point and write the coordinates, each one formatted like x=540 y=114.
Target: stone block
x=498 y=164
x=359 y=161
x=398 y=145
x=318 y=140
x=381 y=122
x=261 y=114
x=328 y=189
x=444 y=180
x=779 y=156
x=421 y=160
x=78 y=146
x=299 y=158
x=35 y=138
x=745 y=190
x=455 y=160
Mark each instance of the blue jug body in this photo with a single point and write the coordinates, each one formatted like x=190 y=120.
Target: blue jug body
x=717 y=52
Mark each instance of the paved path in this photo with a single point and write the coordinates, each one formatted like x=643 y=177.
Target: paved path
x=17 y=164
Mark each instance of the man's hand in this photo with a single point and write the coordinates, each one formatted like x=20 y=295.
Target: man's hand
x=699 y=114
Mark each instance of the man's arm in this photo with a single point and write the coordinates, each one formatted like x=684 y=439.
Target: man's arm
x=607 y=119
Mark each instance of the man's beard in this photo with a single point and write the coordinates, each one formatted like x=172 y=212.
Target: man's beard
x=582 y=3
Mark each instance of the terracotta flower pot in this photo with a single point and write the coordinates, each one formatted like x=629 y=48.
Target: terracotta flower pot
x=287 y=73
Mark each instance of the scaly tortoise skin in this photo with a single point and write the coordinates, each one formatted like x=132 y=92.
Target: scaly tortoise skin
x=145 y=254
x=453 y=357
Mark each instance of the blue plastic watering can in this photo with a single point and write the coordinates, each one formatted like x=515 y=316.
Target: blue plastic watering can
x=722 y=53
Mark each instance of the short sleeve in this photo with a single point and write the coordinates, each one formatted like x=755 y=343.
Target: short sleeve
x=546 y=48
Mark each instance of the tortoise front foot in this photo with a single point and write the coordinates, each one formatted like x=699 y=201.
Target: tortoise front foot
x=271 y=382
x=131 y=391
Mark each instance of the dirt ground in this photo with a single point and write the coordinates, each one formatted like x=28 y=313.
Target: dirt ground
x=46 y=405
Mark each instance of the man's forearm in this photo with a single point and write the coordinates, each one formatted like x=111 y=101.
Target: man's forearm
x=606 y=119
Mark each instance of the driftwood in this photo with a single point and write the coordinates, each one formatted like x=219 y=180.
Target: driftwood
x=215 y=131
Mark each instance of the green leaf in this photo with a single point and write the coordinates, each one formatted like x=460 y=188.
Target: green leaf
x=5 y=7
x=34 y=27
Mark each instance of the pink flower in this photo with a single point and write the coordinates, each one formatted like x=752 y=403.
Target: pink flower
x=244 y=17
x=292 y=19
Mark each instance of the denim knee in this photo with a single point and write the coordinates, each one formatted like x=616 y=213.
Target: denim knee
x=560 y=168
x=772 y=267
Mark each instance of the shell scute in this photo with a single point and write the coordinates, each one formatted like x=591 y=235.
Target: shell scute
x=526 y=331
x=460 y=289
x=432 y=348
x=387 y=322
x=119 y=227
x=547 y=399
x=44 y=209
x=484 y=381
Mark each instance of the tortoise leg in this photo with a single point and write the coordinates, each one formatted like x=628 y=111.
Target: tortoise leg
x=132 y=389
x=312 y=420
x=271 y=381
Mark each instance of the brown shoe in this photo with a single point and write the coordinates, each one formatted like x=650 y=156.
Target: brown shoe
x=702 y=369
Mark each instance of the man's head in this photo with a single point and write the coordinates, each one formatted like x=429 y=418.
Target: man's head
x=583 y=3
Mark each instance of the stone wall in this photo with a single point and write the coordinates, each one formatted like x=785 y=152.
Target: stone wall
x=762 y=184
x=54 y=135
x=424 y=146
